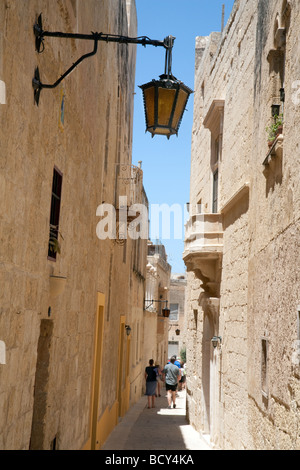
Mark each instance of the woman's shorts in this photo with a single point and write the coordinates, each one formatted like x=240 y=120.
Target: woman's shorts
x=171 y=387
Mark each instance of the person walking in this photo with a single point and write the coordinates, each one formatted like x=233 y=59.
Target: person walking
x=182 y=380
x=151 y=383
x=171 y=374
x=176 y=361
x=158 y=379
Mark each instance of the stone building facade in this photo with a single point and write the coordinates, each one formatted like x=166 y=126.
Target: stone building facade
x=157 y=297
x=68 y=368
x=177 y=340
x=242 y=237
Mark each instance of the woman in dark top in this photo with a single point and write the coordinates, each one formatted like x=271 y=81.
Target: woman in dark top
x=150 y=376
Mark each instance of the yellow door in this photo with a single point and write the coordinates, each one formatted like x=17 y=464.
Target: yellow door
x=96 y=373
x=123 y=369
x=121 y=364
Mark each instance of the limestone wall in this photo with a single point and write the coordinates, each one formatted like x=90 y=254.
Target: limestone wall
x=240 y=381
x=177 y=296
x=274 y=250
x=49 y=386
x=156 y=326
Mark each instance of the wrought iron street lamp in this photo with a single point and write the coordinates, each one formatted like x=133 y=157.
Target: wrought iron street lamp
x=216 y=340
x=165 y=310
x=128 y=330
x=164 y=100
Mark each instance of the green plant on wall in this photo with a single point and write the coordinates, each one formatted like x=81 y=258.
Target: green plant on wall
x=183 y=355
x=54 y=245
x=273 y=129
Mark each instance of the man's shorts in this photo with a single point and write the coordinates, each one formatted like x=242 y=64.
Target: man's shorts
x=171 y=387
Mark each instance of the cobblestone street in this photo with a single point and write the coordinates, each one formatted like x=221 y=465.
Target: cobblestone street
x=157 y=428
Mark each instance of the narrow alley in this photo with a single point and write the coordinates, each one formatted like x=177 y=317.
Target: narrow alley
x=157 y=428
x=146 y=218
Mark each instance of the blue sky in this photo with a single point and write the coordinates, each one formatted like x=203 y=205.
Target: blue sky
x=166 y=163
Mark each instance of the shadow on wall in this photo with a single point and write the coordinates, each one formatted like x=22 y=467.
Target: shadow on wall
x=273 y=174
x=237 y=211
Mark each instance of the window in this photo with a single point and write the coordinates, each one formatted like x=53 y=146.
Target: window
x=202 y=91
x=215 y=157
x=174 y=312
x=214 y=122
x=195 y=320
x=264 y=367
x=277 y=58
x=199 y=206
x=53 y=246
x=215 y=192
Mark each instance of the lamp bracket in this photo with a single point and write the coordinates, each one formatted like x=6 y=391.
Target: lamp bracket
x=38 y=85
x=152 y=301
x=40 y=34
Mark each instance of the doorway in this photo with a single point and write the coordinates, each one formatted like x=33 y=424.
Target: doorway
x=123 y=388
x=95 y=443
x=40 y=404
x=207 y=372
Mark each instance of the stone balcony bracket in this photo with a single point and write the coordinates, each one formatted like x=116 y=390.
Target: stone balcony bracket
x=275 y=151
x=210 y=305
x=203 y=249
x=203 y=246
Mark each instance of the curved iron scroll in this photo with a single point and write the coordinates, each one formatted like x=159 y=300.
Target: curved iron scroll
x=40 y=34
x=38 y=85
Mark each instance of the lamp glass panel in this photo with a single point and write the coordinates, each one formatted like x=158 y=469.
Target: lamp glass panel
x=162 y=131
x=180 y=105
x=165 y=105
x=149 y=94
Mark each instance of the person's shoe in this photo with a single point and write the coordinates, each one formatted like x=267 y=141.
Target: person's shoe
x=174 y=406
x=169 y=406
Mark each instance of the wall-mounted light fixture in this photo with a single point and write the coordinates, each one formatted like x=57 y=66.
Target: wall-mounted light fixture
x=216 y=340
x=177 y=332
x=164 y=100
x=128 y=330
x=165 y=310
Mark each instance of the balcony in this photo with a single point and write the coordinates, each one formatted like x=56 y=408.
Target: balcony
x=275 y=150
x=203 y=250
x=129 y=185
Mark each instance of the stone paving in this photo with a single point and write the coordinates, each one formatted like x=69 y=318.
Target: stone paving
x=157 y=428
